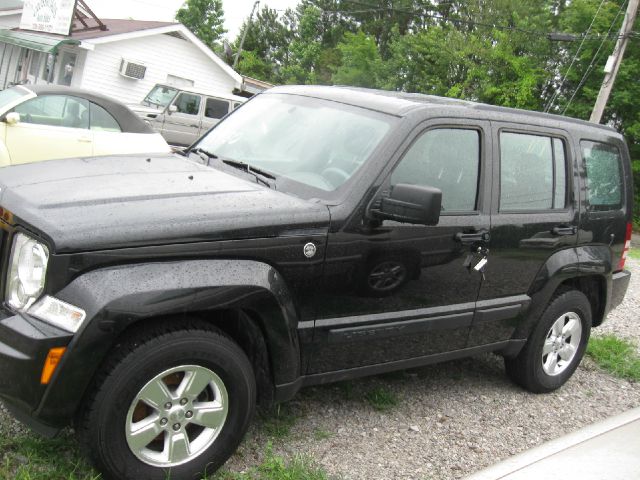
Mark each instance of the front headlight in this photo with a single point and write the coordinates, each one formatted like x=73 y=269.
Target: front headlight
x=27 y=272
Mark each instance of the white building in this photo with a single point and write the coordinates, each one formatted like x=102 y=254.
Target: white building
x=120 y=58
x=10 y=13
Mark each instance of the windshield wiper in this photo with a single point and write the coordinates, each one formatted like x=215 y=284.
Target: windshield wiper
x=204 y=155
x=259 y=175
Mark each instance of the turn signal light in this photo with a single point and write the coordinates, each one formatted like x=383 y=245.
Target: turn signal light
x=51 y=363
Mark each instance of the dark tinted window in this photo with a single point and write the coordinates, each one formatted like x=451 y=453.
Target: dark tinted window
x=216 y=108
x=604 y=175
x=188 y=103
x=448 y=159
x=102 y=120
x=55 y=111
x=532 y=172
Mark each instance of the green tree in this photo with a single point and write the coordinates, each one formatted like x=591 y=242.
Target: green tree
x=361 y=62
x=205 y=19
x=586 y=75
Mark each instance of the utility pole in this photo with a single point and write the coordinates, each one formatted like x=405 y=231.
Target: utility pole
x=244 y=35
x=614 y=61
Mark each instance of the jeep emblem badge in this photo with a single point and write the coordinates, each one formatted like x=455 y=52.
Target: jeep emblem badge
x=309 y=250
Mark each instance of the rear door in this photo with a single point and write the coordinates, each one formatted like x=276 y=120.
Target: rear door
x=214 y=110
x=182 y=127
x=534 y=215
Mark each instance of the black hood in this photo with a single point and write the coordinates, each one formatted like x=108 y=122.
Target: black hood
x=121 y=201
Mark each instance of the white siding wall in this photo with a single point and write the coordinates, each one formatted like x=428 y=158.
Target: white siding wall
x=162 y=54
x=8 y=22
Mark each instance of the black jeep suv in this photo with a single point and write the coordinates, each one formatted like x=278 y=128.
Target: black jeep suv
x=314 y=235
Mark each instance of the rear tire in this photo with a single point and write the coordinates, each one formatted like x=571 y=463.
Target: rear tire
x=171 y=404
x=556 y=345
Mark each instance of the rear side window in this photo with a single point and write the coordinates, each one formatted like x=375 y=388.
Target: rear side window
x=216 y=108
x=604 y=175
x=533 y=172
x=102 y=120
x=448 y=159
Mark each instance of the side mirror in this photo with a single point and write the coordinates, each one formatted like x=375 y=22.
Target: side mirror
x=12 y=118
x=172 y=109
x=412 y=204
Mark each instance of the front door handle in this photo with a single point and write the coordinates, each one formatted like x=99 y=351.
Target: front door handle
x=85 y=139
x=475 y=237
x=563 y=230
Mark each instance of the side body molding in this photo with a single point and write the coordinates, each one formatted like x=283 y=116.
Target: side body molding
x=117 y=297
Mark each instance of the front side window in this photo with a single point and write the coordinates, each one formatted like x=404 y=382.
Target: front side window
x=215 y=108
x=316 y=143
x=188 y=103
x=604 y=175
x=532 y=172
x=448 y=159
x=55 y=111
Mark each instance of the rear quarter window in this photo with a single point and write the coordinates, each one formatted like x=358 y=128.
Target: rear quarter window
x=603 y=165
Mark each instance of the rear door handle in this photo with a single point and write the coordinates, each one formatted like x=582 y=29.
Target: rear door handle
x=563 y=230
x=85 y=139
x=475 y=237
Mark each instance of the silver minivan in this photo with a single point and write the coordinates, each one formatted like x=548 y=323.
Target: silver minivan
x=182 y=115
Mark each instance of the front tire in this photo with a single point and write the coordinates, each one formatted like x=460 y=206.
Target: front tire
x=556 y=345
x=169 y=405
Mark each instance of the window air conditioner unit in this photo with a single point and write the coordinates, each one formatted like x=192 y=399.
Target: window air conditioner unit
x=131 y=69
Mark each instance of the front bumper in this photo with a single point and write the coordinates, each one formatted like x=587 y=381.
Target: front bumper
x=24 y=345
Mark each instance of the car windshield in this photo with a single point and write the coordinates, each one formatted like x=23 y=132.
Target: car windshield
x=11 y=95
x=160 y=96
x=318 y=143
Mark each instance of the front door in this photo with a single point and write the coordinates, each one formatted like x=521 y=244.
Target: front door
x=395 y=291
x=182 y=126
x=50 y=127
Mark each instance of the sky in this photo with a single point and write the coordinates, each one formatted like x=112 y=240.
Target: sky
x=235 y=11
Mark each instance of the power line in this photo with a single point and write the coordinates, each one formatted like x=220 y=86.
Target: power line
x=593 y=60
x=553 y=98
x=552 y=36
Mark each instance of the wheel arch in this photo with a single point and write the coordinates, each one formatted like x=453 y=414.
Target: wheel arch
x=238 y=297
x=586 y=269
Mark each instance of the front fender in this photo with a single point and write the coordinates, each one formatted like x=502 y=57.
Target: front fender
x=115 y=298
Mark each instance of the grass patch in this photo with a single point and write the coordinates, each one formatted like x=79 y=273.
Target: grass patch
x=320 y=434
x=347 y=389
x=381 y=399
x=277 y=422
x=635 y=253
x=28 y=457
x=616 y=356
x=275 y=467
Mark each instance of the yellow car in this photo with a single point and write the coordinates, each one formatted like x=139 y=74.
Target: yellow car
x=47 y=122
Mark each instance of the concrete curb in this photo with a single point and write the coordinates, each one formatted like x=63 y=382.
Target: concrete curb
x=619 y=430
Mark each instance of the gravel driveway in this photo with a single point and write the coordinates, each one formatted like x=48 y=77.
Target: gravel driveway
x=451 y=419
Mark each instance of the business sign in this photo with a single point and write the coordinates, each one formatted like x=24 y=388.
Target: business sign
x=51 y=16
